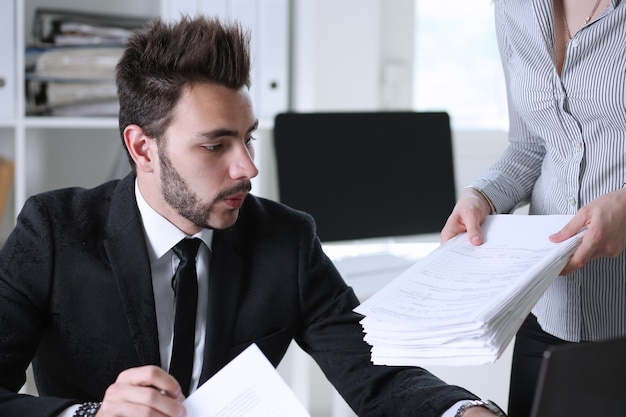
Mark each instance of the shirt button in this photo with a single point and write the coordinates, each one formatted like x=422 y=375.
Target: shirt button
x=575 y=43
x=579 y=144
x=572 y=201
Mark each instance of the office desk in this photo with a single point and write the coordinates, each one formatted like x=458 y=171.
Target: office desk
x=367 y=266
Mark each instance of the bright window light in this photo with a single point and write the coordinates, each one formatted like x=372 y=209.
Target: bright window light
x=457 y=65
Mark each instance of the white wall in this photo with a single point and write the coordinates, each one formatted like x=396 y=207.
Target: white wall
x=352 y=54
x=336 y=54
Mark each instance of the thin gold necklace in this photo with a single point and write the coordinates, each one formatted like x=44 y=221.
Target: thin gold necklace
x=593 y=11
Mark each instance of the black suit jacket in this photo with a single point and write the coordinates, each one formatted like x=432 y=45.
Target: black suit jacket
x=76 y=299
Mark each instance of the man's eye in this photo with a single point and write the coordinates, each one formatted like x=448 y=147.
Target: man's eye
x=250 y=140
x=212 y=148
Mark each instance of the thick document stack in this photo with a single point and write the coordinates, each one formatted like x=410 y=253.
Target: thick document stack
x=70 y=69
x=463 y=304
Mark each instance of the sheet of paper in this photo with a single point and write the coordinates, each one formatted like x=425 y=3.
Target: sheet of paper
x=249 y=386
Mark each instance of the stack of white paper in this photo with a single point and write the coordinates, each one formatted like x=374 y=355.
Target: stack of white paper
x=463 y=304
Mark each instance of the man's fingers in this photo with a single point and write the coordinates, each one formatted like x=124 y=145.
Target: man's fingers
x=145 y=391
x=129 y=400
x=153 y=377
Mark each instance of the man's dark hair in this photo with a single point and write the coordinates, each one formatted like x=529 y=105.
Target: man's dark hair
x=163 y=59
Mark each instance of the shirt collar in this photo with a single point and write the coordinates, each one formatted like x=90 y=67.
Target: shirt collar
x=161 y=234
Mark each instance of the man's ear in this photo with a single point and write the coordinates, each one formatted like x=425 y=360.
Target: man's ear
x=142 y=148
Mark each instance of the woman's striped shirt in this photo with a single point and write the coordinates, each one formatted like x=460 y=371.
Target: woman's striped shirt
x=567 y=146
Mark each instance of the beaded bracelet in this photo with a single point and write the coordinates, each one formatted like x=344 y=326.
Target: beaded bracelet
x=87 y=409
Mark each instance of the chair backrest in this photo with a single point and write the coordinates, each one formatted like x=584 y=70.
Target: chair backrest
x=367 y=174
x=582 y=380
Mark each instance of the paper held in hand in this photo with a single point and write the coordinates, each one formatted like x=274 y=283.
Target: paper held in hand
x=463 y=304
x=248 y=386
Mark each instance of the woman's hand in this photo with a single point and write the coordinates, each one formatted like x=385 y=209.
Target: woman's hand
x=605 y=222
x=467 y=216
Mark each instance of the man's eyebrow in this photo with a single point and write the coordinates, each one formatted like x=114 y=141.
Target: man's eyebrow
x=221 y=132
x=254 y=126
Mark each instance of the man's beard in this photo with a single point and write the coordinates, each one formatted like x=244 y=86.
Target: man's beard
x=185 y=202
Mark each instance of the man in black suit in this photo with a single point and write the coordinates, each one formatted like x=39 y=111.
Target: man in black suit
x=86 y=288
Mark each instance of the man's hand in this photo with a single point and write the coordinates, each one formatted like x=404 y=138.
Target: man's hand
x=467 y=216
x=605 y=221
x=145 y=391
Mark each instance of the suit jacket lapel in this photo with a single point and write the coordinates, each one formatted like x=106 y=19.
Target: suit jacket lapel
x=129 y=260
x=225 y=282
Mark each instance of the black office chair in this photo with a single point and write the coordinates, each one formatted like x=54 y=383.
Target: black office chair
x=367 y=174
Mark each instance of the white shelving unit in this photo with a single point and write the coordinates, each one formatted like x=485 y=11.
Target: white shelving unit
x=51 y=152
x=55 y=152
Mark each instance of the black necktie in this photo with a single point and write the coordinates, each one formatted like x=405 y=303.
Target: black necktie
x=185 y=286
